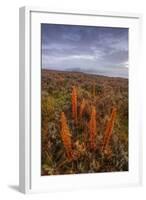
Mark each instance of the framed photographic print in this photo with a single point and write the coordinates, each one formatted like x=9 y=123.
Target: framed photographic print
x=79 y=100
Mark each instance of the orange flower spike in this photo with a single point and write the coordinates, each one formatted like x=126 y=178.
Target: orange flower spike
x=82 y=106
x=109 y=129
x=66 y=136
x=92 y=128
x=94 y=89
x=74 y=104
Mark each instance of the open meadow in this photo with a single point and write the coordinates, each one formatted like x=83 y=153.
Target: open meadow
x=84 y=123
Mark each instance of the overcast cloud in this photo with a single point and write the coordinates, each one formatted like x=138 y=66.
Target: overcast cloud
x=100 y=50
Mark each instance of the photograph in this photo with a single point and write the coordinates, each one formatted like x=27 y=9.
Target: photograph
x=84 y=99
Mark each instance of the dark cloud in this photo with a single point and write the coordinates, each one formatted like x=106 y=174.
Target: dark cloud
x=101 y=50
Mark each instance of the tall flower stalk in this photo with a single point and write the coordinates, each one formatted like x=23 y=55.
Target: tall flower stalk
x=92 y=128
x=109 y=129
x=66 y=136
x=74 y=104
x=82 y=107
x=94 y=89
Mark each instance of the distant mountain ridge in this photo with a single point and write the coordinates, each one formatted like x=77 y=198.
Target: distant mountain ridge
x=79 y=70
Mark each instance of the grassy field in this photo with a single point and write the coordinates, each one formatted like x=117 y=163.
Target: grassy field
x=84 y=123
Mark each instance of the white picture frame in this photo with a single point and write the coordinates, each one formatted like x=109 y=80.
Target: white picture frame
x=29 y=160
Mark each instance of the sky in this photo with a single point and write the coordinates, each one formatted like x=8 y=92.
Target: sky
x=89 y=49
